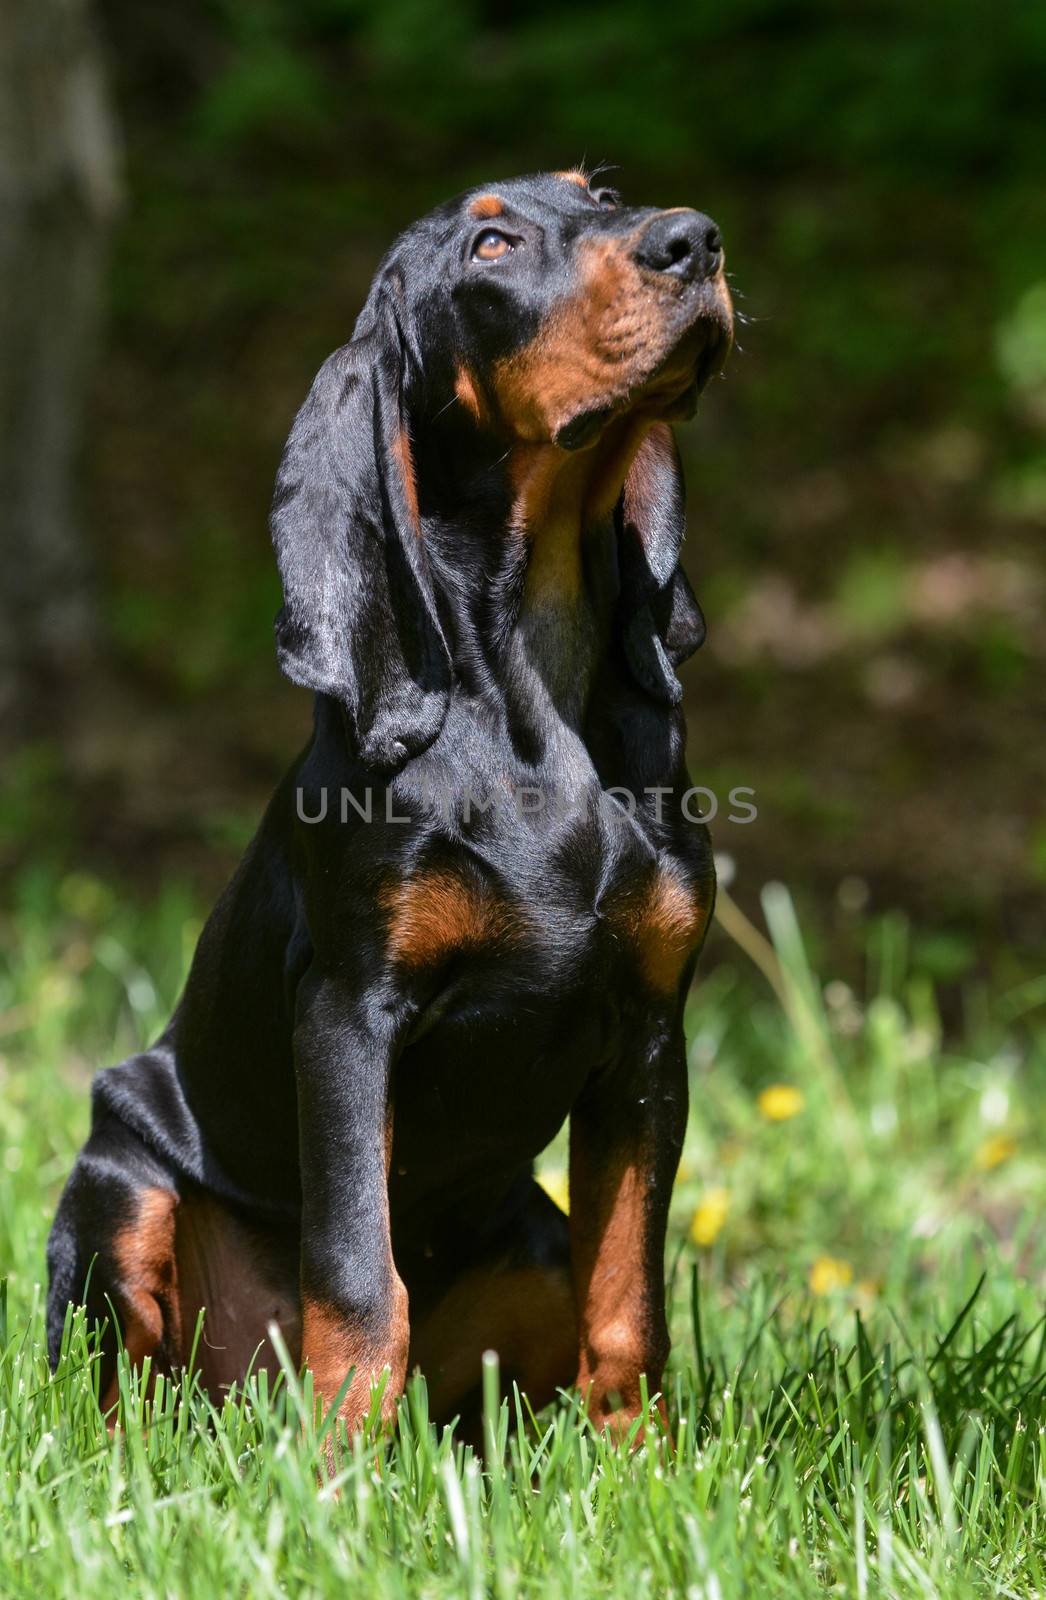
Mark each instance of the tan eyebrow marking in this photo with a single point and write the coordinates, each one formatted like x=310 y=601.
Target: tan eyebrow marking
x=486 y=205
x=576 y=175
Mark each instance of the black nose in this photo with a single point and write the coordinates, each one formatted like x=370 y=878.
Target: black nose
x=685 y=244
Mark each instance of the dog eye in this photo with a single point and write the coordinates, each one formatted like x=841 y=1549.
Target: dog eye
x=491 y=246
x=607 y=198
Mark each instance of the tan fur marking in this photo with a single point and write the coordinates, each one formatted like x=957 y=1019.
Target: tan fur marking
x=546 y=511
x=486 y=205
x=558 y=495
x=621 y=1331
x=576 y=358
x=331 y=1347
x=575 y=175
x=402 y=452
x=611 y=1324
x=468 y=394
x=146 y=1286
x=437 y=912
x=608 y=345
x=664 y=923
x=144 y=1253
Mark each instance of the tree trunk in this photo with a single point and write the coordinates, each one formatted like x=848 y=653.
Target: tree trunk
x=58 y=195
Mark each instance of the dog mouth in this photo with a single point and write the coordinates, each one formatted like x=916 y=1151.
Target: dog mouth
x=670 y=389
x=697 y=358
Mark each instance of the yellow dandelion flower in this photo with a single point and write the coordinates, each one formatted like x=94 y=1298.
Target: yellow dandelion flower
x=780 y=1101
x=555 y=1184
x=828 y=1273
x=994 y=1151
x=708 y=1219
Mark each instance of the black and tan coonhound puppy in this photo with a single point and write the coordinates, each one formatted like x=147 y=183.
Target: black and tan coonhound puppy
x=474 y=904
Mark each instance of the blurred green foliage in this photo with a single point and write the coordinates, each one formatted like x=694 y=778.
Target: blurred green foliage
x=765 y=84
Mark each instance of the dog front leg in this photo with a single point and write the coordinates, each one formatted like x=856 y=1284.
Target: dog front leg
x=354 y=1303
x=626 y=1133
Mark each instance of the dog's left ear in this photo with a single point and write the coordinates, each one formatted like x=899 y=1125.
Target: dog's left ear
x=659 y=620
x=359 y=620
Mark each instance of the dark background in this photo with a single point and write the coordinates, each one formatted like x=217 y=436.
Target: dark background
x=867 y=487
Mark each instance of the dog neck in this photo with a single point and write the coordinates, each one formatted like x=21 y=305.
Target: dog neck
x=562 y=515
x=539 y=617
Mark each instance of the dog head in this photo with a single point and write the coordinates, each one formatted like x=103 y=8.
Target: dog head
x=554 y=319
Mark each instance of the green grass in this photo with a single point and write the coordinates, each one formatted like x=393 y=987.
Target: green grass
x=858 y=1384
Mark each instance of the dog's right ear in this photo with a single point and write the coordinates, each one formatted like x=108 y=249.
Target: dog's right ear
x=359 y=619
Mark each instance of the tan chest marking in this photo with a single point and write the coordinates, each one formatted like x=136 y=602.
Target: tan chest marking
x=663 y=921
x=438 y=912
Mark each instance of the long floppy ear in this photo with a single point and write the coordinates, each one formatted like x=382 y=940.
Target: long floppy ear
x=659 y=620
x=359 y=619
